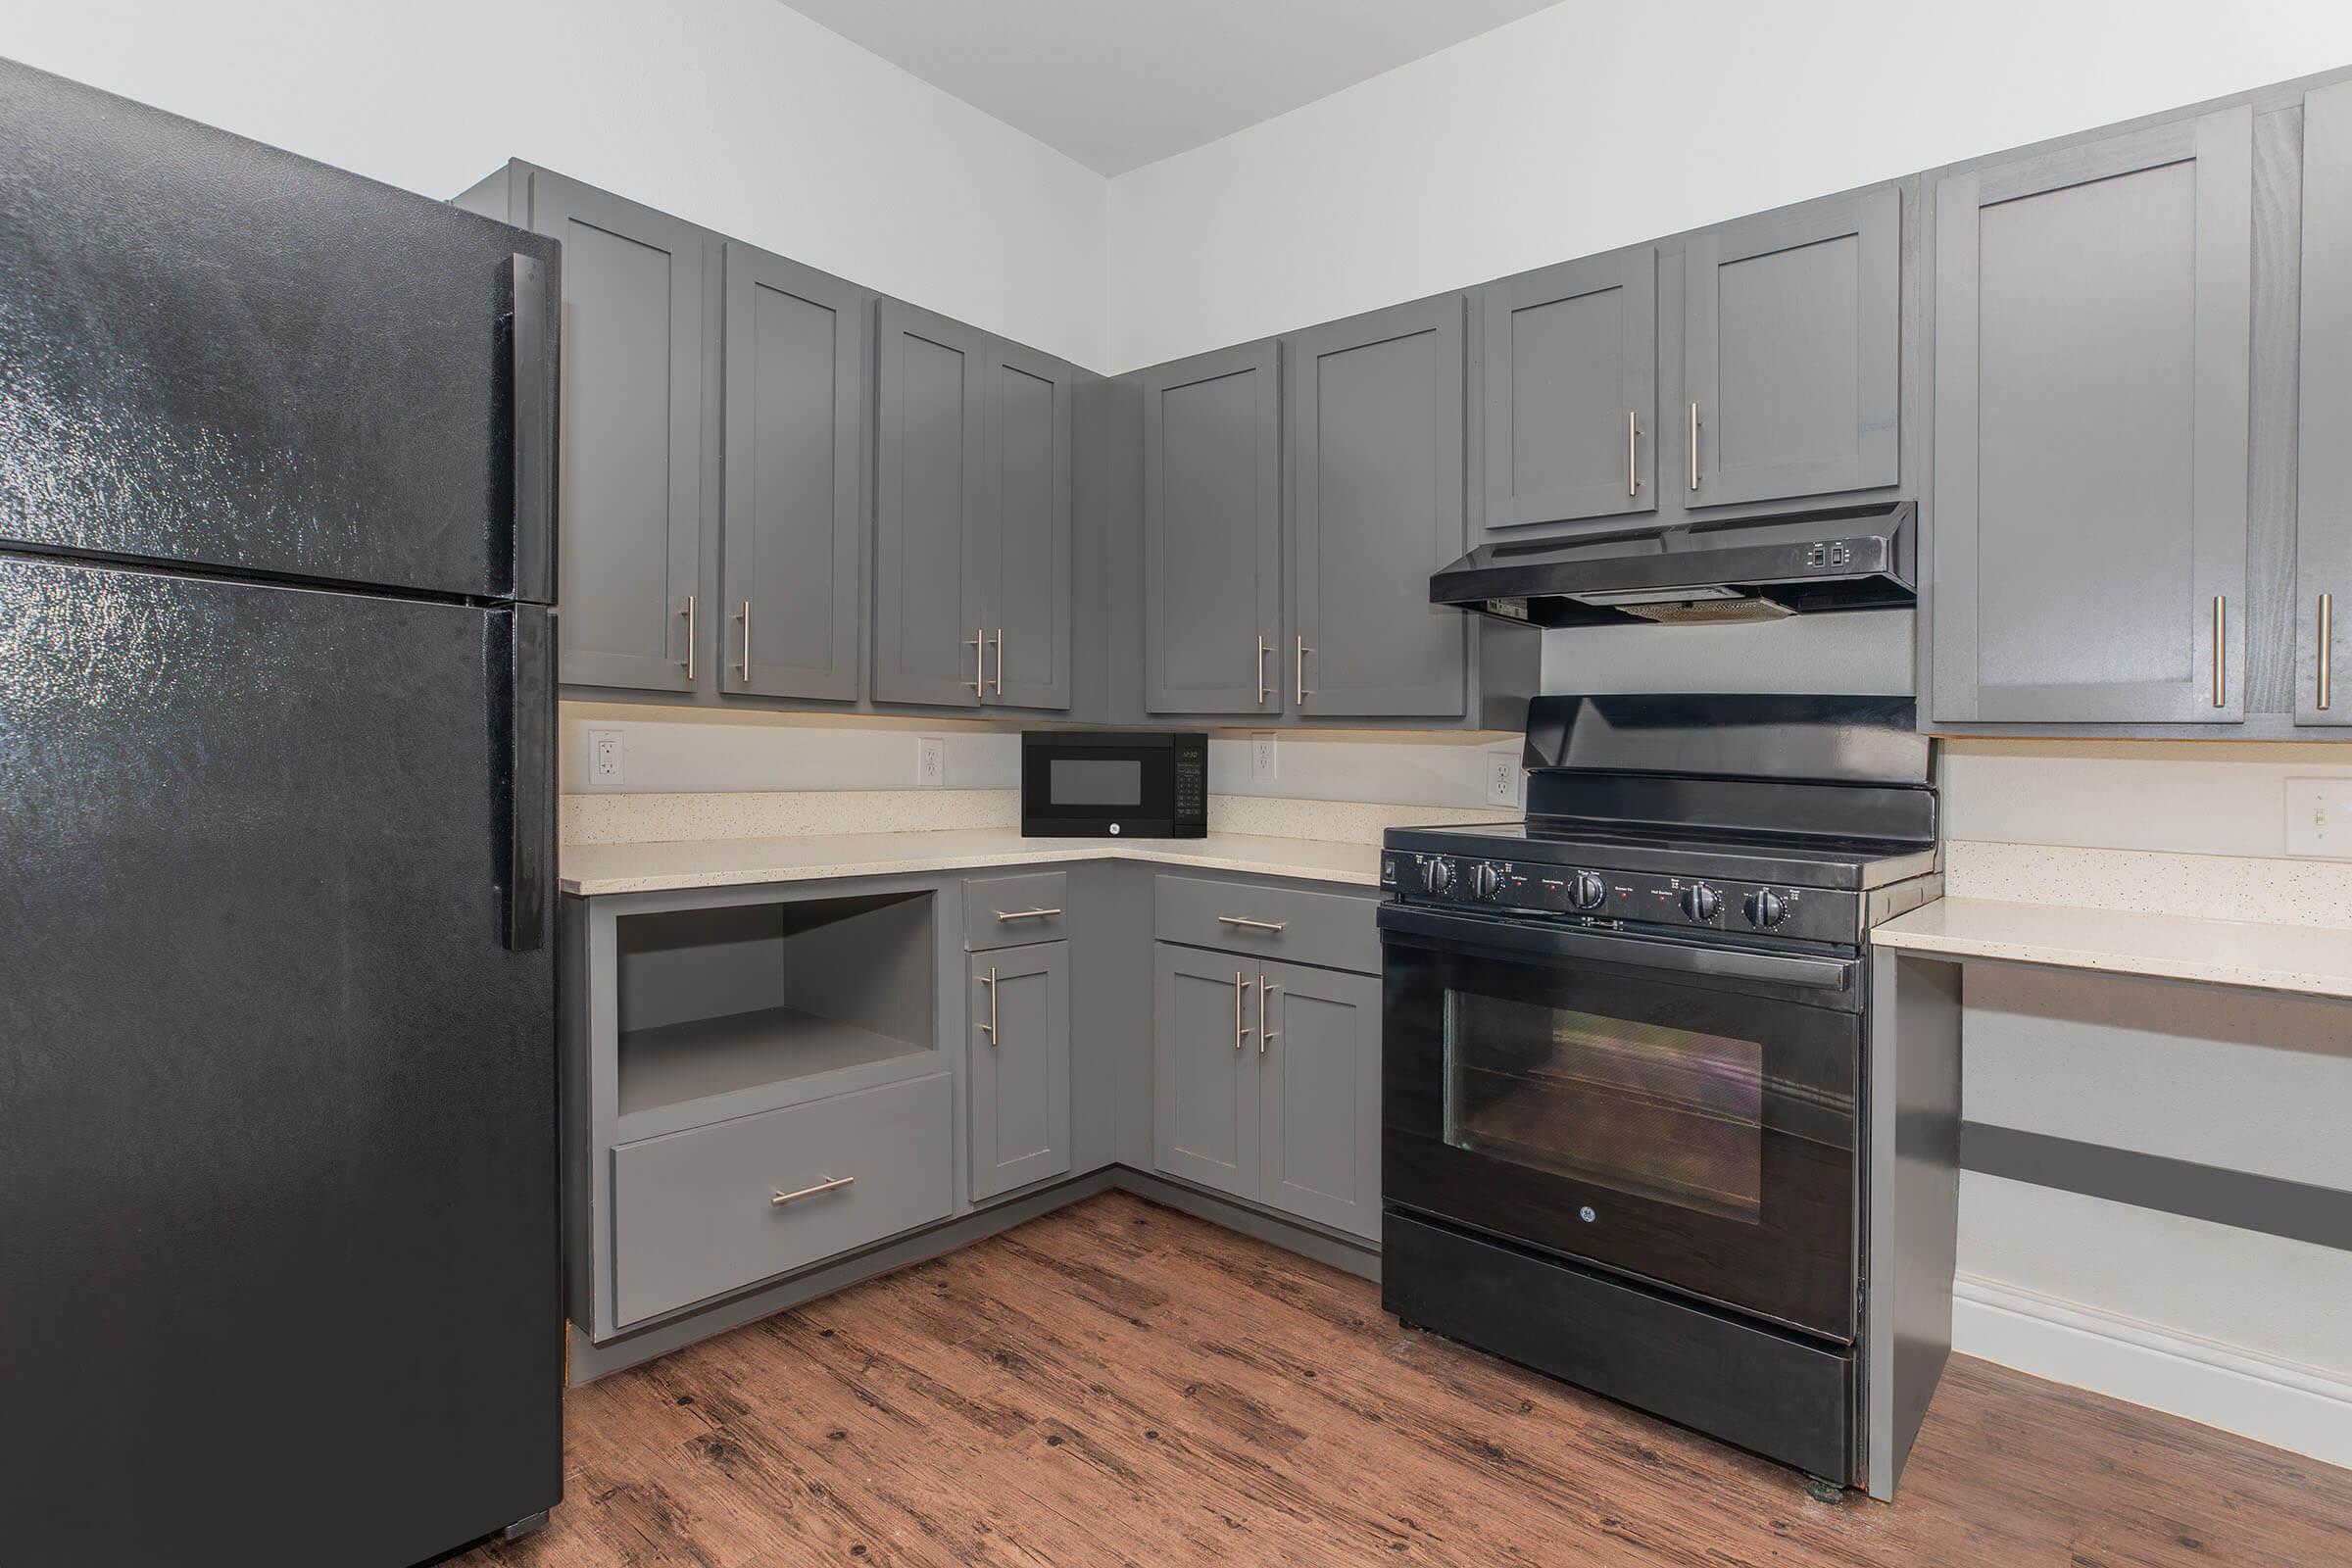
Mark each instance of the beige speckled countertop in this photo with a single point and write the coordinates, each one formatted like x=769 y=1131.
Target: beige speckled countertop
x=724 y=863
x=2313 y=961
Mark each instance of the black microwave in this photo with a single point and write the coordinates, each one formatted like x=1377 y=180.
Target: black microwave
x=1130 y=784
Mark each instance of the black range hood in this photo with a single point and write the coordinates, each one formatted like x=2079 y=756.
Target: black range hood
x=1713 y=570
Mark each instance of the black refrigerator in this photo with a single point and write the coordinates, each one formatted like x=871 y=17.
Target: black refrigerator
x=278 y=1272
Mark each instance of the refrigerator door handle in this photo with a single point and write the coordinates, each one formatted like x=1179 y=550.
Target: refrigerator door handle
x=530 y=774
x=533 y=454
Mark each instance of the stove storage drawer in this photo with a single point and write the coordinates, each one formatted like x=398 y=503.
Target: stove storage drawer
x=1263 y=921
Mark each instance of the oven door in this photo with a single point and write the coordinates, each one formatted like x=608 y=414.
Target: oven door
x=1676 y=1111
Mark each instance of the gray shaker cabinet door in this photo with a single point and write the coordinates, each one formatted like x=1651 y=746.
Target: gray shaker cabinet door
x=1791 y=360
x=1020 y=1060
x=1205 y=1073
x=1320 y=1126
x=630 y=490
x=1213 y=534
x=1376 y=475
x=1021 y=592
x=795 y=494
x=1572 y=391
x=930 y=506
x=2093 y=370
x=2323 y=524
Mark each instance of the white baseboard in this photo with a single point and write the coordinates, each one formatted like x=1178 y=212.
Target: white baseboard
x=2284 y=1403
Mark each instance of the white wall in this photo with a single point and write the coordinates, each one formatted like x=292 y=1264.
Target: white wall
x=741 y=115
x=1591 y=126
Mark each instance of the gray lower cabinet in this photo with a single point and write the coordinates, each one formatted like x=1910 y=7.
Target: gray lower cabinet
x=630 y=489
x=2093 y=370
x=1020 y=1085
x=1213 y=534
x=794 y=510
x=1205 y=1073
x=930 y=496
x=1377 y=432
x=1792 y=359
x=2324 y=522
x=1319 y=1115
x=1572 y=391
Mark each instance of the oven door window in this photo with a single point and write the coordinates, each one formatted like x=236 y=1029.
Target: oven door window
x=1672 y=1115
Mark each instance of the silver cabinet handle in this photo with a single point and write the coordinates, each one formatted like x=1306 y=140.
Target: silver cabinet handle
x=2326 y=644
x=824 y=1184
x=1299 y=669
x=688 y=661
x=1247 y=923
x=1026 y=915
x=1241 y=988
x=2220 y=659
x=1263 y=690
x=999 y=660
x=979 y=681
x=990 y=1028
x=745 y=665
x=1265 y=994
x=1693 y=446
x=1633 y=468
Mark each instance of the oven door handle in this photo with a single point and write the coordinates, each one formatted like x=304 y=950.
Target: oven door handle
x=1514 y=940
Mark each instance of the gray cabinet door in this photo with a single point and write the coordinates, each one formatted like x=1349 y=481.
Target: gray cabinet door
x=1572 y=391
x=793 y=503
x=1205 y=1074
x=1020 y=1061
x=1213 y=534
x=630 y=490
x=1319 y=1115
x=1376 y=429
x=930 y=496
x=1792 y=324
x=2324 y=508
x=1020 y=591
x=2093 y=311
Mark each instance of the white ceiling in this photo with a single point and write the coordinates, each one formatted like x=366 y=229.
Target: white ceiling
x=1119 y=83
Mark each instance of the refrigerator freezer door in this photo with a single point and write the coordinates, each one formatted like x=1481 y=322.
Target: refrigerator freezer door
x=277 y=1121
x=219 y=353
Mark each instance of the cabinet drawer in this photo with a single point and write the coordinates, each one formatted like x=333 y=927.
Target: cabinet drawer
x=1326 y=928
x=1011 y=911
x=695 y=1215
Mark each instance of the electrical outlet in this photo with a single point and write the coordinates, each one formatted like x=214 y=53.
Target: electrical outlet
x=1261 y=757
x=1503 y=779
x=930 y=761
x=604 y=757
x=2319 y=819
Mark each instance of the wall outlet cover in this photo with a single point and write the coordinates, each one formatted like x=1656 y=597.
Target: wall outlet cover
x=604 y=759
x=1261 y=757
x=931 y=761
x=1503 y=779
x=2319 y=819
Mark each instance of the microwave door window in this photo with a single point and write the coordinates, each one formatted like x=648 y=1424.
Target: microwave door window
x=1083 y=781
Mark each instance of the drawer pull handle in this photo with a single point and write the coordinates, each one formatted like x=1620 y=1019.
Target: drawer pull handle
x=990 y=1028
x=1027 y=914
x=1265 y=994
x=824 y=1185
x=1249 y=924
x=1241 y=992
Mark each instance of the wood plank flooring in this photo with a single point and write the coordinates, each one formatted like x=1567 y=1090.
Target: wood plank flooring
x=1120 y=1383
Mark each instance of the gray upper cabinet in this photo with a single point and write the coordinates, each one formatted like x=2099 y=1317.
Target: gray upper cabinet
x=1205 y=1075
x=1791 y=365
x=1021 y=574
x=1572 y=391
x=2092 y=341
x=1020 y=1066
x=793 y=513
x=1377 y=432
x=2324 y=522
x=1213 y=534
x=931 y=498
x=1319 y=1118
x=630 y=488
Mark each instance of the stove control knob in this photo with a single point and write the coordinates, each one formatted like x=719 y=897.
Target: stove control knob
x=1764 y=909
x=1701 y=903
x=1486 y=880
x=1436 y=875
x=1587 y=891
